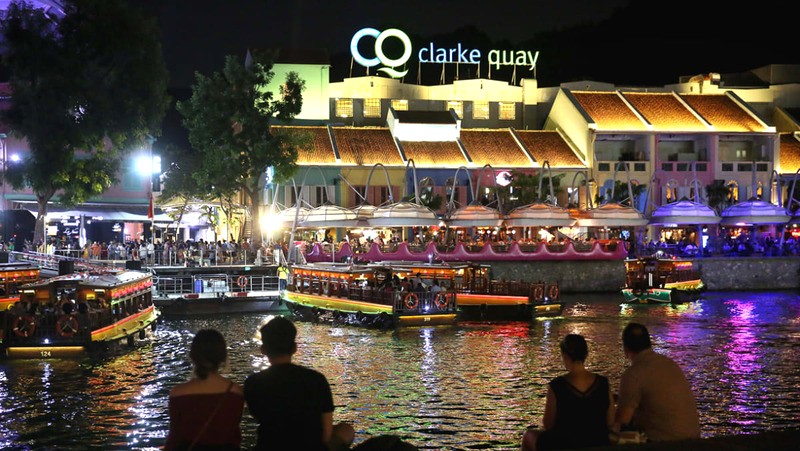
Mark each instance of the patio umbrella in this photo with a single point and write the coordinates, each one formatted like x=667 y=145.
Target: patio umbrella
x=329 y=216
x=684 y=212
x=754 y=212
x=403 y=214
x=475 y=215
x=539 y=215
x=611 y=215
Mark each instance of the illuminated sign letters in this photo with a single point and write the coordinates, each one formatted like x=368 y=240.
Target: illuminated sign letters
x=380 y=57
x=433 y=54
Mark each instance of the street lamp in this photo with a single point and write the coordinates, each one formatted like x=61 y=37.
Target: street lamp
x=151 y=167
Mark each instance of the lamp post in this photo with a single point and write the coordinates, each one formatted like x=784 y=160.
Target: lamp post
x=3 y=138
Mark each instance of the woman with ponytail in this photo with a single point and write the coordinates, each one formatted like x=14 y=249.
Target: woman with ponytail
x=205 y=412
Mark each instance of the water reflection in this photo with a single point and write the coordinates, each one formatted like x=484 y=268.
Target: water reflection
x=473 y=386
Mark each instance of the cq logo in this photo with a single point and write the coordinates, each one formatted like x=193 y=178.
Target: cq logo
x=380 y=57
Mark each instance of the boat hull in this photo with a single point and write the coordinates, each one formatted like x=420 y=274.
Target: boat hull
x=194 y=305
x=500 y=307
x=677 y=294
x=47 y=344
x=370 y=313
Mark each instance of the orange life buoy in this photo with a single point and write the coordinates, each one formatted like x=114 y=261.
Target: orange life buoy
x=538 y=293
x=441 y=301
x=67 y=325
x=24 y=326
x=552 y=292
x=241 y=281
x=411 y=301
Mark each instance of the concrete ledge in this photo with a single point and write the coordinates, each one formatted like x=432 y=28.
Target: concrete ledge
x=774 y=440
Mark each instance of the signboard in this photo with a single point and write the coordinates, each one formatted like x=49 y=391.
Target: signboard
x=431 y=53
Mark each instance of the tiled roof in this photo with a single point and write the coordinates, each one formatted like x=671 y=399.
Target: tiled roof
x=665 y=112
x=723 y=113
x=608 y=111
x=366 y=146
x=549 y=146
x=790 y=153
x=434 y=154
x=495 y=147
x=319 y=149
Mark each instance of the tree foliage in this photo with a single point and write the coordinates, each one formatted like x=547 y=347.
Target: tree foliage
x=523 y=189
x=719 y=195
x=228 y=117
x=621 y=195
x=86 y=89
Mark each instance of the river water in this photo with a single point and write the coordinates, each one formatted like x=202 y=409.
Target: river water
x=471 y=386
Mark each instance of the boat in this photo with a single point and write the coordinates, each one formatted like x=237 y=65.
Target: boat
x=654 y=280
x=13 y=276
x=180 y=295
x=480 y=298
x=362 y=295
x=74 y=314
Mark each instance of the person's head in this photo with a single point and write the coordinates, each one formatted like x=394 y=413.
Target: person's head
x=278 y=337
x=208 y=352
x=635 y=338
x=574 y=346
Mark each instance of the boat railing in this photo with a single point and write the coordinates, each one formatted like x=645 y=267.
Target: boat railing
x=170 y=285
x=410 y=302
x=214 y=283
x=401 y=301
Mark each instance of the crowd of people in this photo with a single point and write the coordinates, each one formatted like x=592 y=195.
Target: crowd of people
x=177 y=253
x=293 y=404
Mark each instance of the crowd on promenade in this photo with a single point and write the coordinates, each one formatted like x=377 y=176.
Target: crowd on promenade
x=181 y=253
x=293 y=404
x=210 y=253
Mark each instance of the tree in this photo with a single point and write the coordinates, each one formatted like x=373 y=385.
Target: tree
x=228 y=117
x=526 y=189
x=718 y=195
x=86 y=89
x=621 y=194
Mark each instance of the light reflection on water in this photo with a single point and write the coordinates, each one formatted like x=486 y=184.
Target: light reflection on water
x=474 y=386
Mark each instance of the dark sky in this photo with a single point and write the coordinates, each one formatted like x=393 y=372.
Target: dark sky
x=637 y=42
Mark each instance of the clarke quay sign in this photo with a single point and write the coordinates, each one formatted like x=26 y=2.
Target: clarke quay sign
x=432 y=54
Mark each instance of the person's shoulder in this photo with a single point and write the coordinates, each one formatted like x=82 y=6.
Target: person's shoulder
x=182 y=389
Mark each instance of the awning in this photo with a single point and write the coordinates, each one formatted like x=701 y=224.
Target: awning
x=128 y=213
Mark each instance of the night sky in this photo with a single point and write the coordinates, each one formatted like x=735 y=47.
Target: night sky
x=626 y=42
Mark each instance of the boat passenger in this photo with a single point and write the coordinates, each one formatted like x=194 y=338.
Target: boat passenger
x=579 y=407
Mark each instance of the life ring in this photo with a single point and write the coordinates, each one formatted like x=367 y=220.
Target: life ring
x=552 y=292
x=538 y=293
x=66 y=325
x=24 y=326
x=411 y=301
x=441 y=301
x=241 y=281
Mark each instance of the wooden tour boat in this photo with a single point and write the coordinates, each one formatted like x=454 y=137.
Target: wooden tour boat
x=653 y=280
x=72 y=314
x=478 y=297
x=13 y=276
x=218 y=293
x=362 y=295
